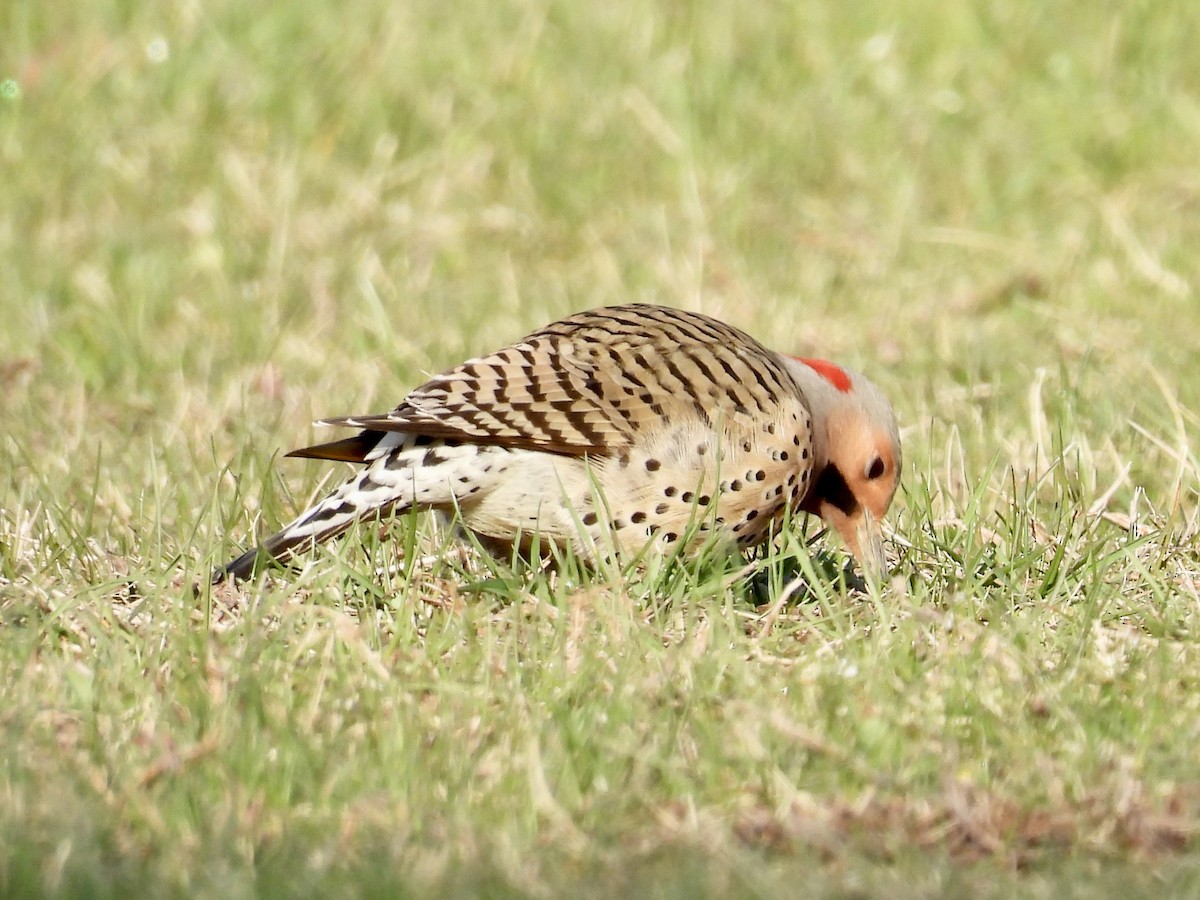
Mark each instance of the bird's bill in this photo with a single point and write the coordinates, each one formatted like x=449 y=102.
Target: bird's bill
x=863 y=534
x=870 y=546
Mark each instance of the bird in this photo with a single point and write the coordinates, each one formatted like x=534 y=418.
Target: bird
x=624 y=429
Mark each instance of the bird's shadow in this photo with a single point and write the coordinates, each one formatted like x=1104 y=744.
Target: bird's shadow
x=765 y=585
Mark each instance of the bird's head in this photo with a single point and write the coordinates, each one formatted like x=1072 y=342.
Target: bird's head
x=856 y=455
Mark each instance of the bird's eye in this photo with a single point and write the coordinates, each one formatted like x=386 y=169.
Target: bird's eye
x=875 y=469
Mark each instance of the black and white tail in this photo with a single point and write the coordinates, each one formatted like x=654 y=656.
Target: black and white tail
x=403 y=471
x=358 y=498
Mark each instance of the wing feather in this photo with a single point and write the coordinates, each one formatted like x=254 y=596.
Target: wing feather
x=590 y=383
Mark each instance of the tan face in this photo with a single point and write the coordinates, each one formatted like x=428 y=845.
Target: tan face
x=855 y=491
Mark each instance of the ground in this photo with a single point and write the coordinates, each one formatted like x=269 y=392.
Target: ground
x=221 y=221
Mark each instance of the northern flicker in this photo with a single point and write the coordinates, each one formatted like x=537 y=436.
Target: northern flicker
x=625 y=428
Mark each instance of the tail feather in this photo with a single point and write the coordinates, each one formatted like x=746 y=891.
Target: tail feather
x=354 y=449
x=403 y=471
x=358 y=498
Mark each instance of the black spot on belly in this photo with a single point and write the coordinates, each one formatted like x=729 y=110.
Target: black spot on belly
x=433 y=457
x=638 y=518
x=589 y=518
x=653 y=465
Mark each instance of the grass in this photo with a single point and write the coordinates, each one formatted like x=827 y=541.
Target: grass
x=221 y=222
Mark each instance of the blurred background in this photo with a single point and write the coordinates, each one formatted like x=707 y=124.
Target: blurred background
x=217 y=214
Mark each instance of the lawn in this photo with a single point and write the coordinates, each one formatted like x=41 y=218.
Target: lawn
x=221 y=221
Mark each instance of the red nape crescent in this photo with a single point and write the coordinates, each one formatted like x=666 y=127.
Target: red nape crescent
x=831 y=372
